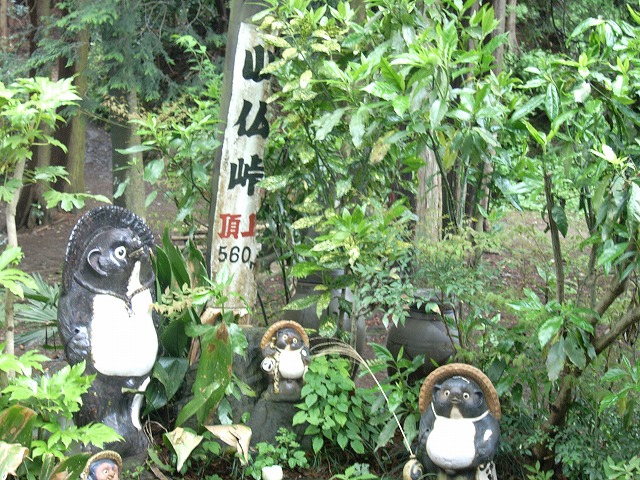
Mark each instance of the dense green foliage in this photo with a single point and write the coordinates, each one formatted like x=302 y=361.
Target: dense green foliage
x=362 y=99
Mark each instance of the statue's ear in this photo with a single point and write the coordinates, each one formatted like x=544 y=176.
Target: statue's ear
x=93 y=258
x=436 y=389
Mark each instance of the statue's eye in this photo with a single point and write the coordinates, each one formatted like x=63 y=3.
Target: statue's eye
x=295 y=340
x=106 y=471
x=285 y=336
x=446 y=393
x=465 y=395
x=120 y=252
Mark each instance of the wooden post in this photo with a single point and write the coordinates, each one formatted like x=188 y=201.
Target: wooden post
x=238 y=166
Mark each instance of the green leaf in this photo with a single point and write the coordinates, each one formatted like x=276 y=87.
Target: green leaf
x=560 y=218
x=342 y=440
x=212 y=377
x=176 y=261
x=302 y=302
x=633 y=204
x=11 y=457
x=299 y=418
x=527 y=108
x=306 y=222
x=555 y=360
x=582 y=92
x=611 y=253
x=549 y=329
x=317 y=443
x=387 y=433
x=327 y=122
x=153 y=170
x=16 y=424
x=382 y=89
x=170 y=372
x=437 y=112
x=575 y=352
x=70 y=467
x=552 y=102
x=539 y=137
x=357 y=125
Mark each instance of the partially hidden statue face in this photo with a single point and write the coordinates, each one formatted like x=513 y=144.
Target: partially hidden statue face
x=104 y=469
x=104 y=465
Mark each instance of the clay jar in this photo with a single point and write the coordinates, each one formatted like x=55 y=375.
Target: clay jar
x=426 y=333
x=308 y=317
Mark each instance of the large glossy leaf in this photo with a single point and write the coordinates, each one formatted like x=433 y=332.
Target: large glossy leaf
x=633 y=205
x=11 y=456
x=556 y=359
x=552 y=102
x=212 y=377
x=170 y=371
x=560 y=218
x=16 y=424
x=575 y=352
x=176 y=261
x=162 y=268
x=174 y=339
x=549 y=329
x=70 y=468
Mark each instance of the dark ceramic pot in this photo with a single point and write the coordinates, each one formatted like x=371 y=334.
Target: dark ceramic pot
x=310 y=320
x=425 y=333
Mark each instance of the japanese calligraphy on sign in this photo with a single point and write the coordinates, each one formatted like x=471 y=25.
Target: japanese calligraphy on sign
x=234 y=244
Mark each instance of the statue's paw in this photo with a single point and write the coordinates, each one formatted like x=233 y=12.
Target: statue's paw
x=412 y=470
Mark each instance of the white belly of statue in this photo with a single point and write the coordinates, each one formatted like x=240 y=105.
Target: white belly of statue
x=291 y=364
x=123 y=343
x=450 y=444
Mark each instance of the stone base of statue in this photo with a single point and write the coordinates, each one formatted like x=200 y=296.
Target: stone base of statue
x=269 y=416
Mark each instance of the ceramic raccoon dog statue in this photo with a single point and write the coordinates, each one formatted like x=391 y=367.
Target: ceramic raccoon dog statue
x=459 y=432
x=285 y=347
x=105 y=318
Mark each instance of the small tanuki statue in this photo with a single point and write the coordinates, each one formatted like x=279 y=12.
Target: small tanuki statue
x=285 y=346
x=104 y=465
x=459 y=430
x=105 y=318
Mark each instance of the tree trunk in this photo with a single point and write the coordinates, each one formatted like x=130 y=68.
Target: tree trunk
x=4 y=24
x=77 y=144
x=31 y=208
x=128 y=170
x=360 y=7
x=12 y=241
x=500 y=11
x=511 y=25
x=429 y=200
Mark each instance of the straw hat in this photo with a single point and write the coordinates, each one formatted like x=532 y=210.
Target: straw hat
x=271 y=332
x=461 y=370
x=106 y=454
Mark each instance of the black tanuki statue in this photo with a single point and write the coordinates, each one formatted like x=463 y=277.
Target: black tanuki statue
x=459 y=425
x=105 y=318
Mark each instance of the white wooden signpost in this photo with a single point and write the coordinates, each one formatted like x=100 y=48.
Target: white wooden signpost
x=236 y=198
